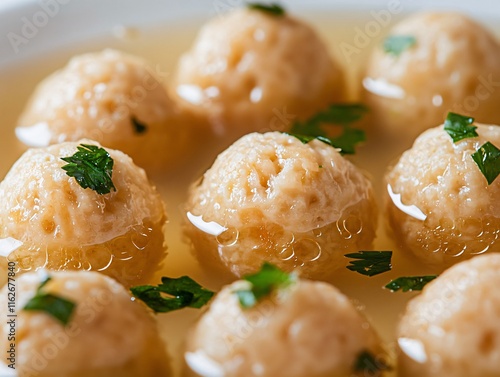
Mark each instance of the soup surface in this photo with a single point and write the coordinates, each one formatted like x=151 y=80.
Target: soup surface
x=162 y=47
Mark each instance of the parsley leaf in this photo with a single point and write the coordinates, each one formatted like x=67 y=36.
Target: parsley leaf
x=139 y=127
x=459 y=127
x=370 y=263
x=58 y=307
x=184 y=292
x=44 y=283
x=274 y=8
x=368 y=365
x=339 y=114
x=263 y=283
x=349 y=138
x=410 y=283
x=396 y=44
x=92 y=167
x=487 y=158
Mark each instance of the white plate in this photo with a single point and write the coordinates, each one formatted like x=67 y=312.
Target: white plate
x=29 y=28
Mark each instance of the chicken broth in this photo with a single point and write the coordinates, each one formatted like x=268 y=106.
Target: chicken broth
x=162 y=47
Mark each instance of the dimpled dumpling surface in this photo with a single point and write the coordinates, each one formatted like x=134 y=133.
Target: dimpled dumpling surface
x=108 y=334
x=110 y=97
x=442 y=180
x=454 y=65
x=316 y=329
x=251 y=71
x=293 y=204
x=452 y=328
x=64 y=226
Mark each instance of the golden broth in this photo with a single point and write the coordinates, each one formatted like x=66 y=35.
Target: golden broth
x=162 y=47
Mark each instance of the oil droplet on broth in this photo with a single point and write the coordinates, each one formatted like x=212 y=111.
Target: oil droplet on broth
x=350 y=226
x=29 y=258
x=125 y=258
x=450 y=241
x=453 y=249
x=98 y=258
x=318 y=232
x=86 y=266
x=282 y=238
x=287 y=253
x=228 y=238
x=474 y=227
x=140 y=237
x=306 y=251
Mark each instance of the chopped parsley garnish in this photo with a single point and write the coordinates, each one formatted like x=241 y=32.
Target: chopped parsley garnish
x=173 y=294
x=459 y=127
x=274 y=8
x=263 y=283
x=487 y=158
x=396 y=44
x=92 y=167
x=368 y=365
x=347 y=141
x=139 y=127
x=340 y=115
x=370 y=263
x=410 y=283
x=58 y=307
